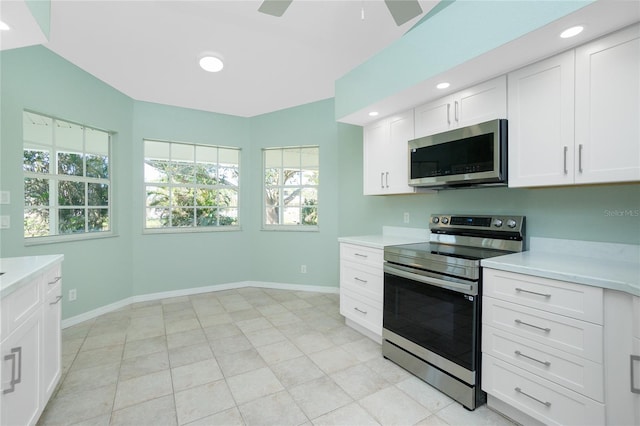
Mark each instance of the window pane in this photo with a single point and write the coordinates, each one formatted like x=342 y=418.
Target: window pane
x=309 y=196
x=310 y=177
x=309 y=215
x=206 y=197
x=310 y=158
x=271 y=215
x=229 y=175
x=70 y=221
x=69 y=136
x=206 y=154
x=37 y=128
x=182 y=153
x=70 y=163
x=206 y=174
x=228 y=198
x=97 y=142
x=291 y=196
x=272 y=158
x=183 y=196
x=97 y=166
x=157 y=218
x=36 y=222
x=272 y=176
x=206 y=217
x=182 y=217
x=156 y=171
x=70 y=193
x=183 y=172
x=291 y=216
x=228 y=217
x=154 y=150
x=157 y=196
x=291 y=158
x=36 y=192
x=292 y=177
x=98 y=220
x=229 y=156
x=98 y=194
x=35 y=161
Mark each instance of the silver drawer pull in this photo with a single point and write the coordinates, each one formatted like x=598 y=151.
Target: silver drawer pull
x=634 y=359
x=55 y=280
x=547 y=403
x=522 y=290
x=361 y=311
x=58 y=299
x=361 y=255
x=547 y=363
x=12 y=357
x=361 y=280
x=546 y=330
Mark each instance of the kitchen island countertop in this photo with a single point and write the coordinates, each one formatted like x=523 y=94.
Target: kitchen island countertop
x=19 y=270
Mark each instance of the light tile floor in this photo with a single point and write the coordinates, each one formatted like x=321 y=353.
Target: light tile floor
x=239 y=357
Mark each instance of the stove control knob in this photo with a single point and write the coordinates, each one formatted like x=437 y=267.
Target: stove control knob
x=511 y=223
x=497 y=223
x=435 y=219
x=445 y=220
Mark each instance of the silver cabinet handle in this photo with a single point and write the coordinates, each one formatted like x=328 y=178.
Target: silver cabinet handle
x=547 y=403
x=361 y=311
x=634 y=359
x=382 y=180
x=55 y=280
x=361 y=280
x=361 y=255
x=546 y=363
x=522 y=290
x=455 y=110
x=546 y=330
x=566 y=149
x=58 y=299
x=580 y=158
x=14 y=381
x=387 y=178
x=448 y=113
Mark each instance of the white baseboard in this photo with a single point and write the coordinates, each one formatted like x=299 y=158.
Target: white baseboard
x=68 y=322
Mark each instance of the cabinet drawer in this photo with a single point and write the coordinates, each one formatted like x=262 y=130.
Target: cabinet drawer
x=560 y=297
x=52 y=280
x=546 y=401
x=362 y=311
x=362 y=255
x=362 y=279
x=571 y=371
x=20 y=304
x=580 y=338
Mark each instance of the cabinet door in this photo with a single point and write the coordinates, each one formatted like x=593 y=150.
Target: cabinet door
x=397 y=158
x=484 y=102
x=636 y=380
x=21 y=362
x=434 y=117
x=51 y=363
x=540 y=112
x=608 y=108
x=375 y=137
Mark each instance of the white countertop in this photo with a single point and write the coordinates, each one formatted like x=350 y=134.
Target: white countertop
x=589 y=264
x=19 y=270
x=390 y=236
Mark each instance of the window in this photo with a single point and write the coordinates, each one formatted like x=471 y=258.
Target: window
x=291 y=178
x=67 y=179
x=190 y=187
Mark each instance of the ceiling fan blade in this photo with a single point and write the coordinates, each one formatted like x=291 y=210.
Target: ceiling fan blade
x=403 y=10
x=274 y=7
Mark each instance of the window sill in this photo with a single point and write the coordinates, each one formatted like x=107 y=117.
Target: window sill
x=291 y=228
x=58 y=239
x=159 y=231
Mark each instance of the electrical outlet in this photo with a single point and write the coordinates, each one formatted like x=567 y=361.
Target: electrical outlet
x=406 y=217
x=72 y=295
x=303 y=269
x=5 y=222
x=5 y=197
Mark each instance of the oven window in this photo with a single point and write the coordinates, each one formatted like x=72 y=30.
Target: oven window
x=440 y=320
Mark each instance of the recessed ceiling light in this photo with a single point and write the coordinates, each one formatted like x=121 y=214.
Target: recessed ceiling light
x=573 y=31
x=211 y=63
x=442 y=85
x=373 y=113
x=4 y=26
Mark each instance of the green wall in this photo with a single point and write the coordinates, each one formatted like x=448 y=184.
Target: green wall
x=107 y=270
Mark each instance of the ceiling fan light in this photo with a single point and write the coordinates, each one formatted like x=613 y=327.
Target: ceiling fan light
x=4 y=26
x=211 y=63
x=442 y=85
x=572 y=32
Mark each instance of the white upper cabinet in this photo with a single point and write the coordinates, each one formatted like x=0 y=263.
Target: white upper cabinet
x=608 y=109
x=386 y=155
x=541 y=122
x=483 y=102
x=573 y=118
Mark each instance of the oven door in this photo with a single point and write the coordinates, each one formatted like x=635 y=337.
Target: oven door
x=435 y=317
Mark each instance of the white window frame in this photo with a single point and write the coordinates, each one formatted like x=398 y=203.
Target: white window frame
x=172 y=185
x=282 y=226
x=54 y=178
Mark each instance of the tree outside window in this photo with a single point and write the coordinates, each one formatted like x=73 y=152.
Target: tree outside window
x=190 y=187
x=66 y=177
x=291 y=181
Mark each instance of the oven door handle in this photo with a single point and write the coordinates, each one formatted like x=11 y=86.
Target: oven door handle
x=449 y=285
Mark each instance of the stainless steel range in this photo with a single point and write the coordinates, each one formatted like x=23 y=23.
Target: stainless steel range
x=432 y=300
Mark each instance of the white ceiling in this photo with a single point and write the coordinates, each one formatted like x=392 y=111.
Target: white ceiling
x=149 y=49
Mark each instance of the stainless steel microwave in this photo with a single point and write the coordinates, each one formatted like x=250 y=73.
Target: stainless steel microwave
x=464 y=157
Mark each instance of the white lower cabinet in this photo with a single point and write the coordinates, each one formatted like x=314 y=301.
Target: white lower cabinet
x=30 y=348
x=361 y=287
x=542 y=348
